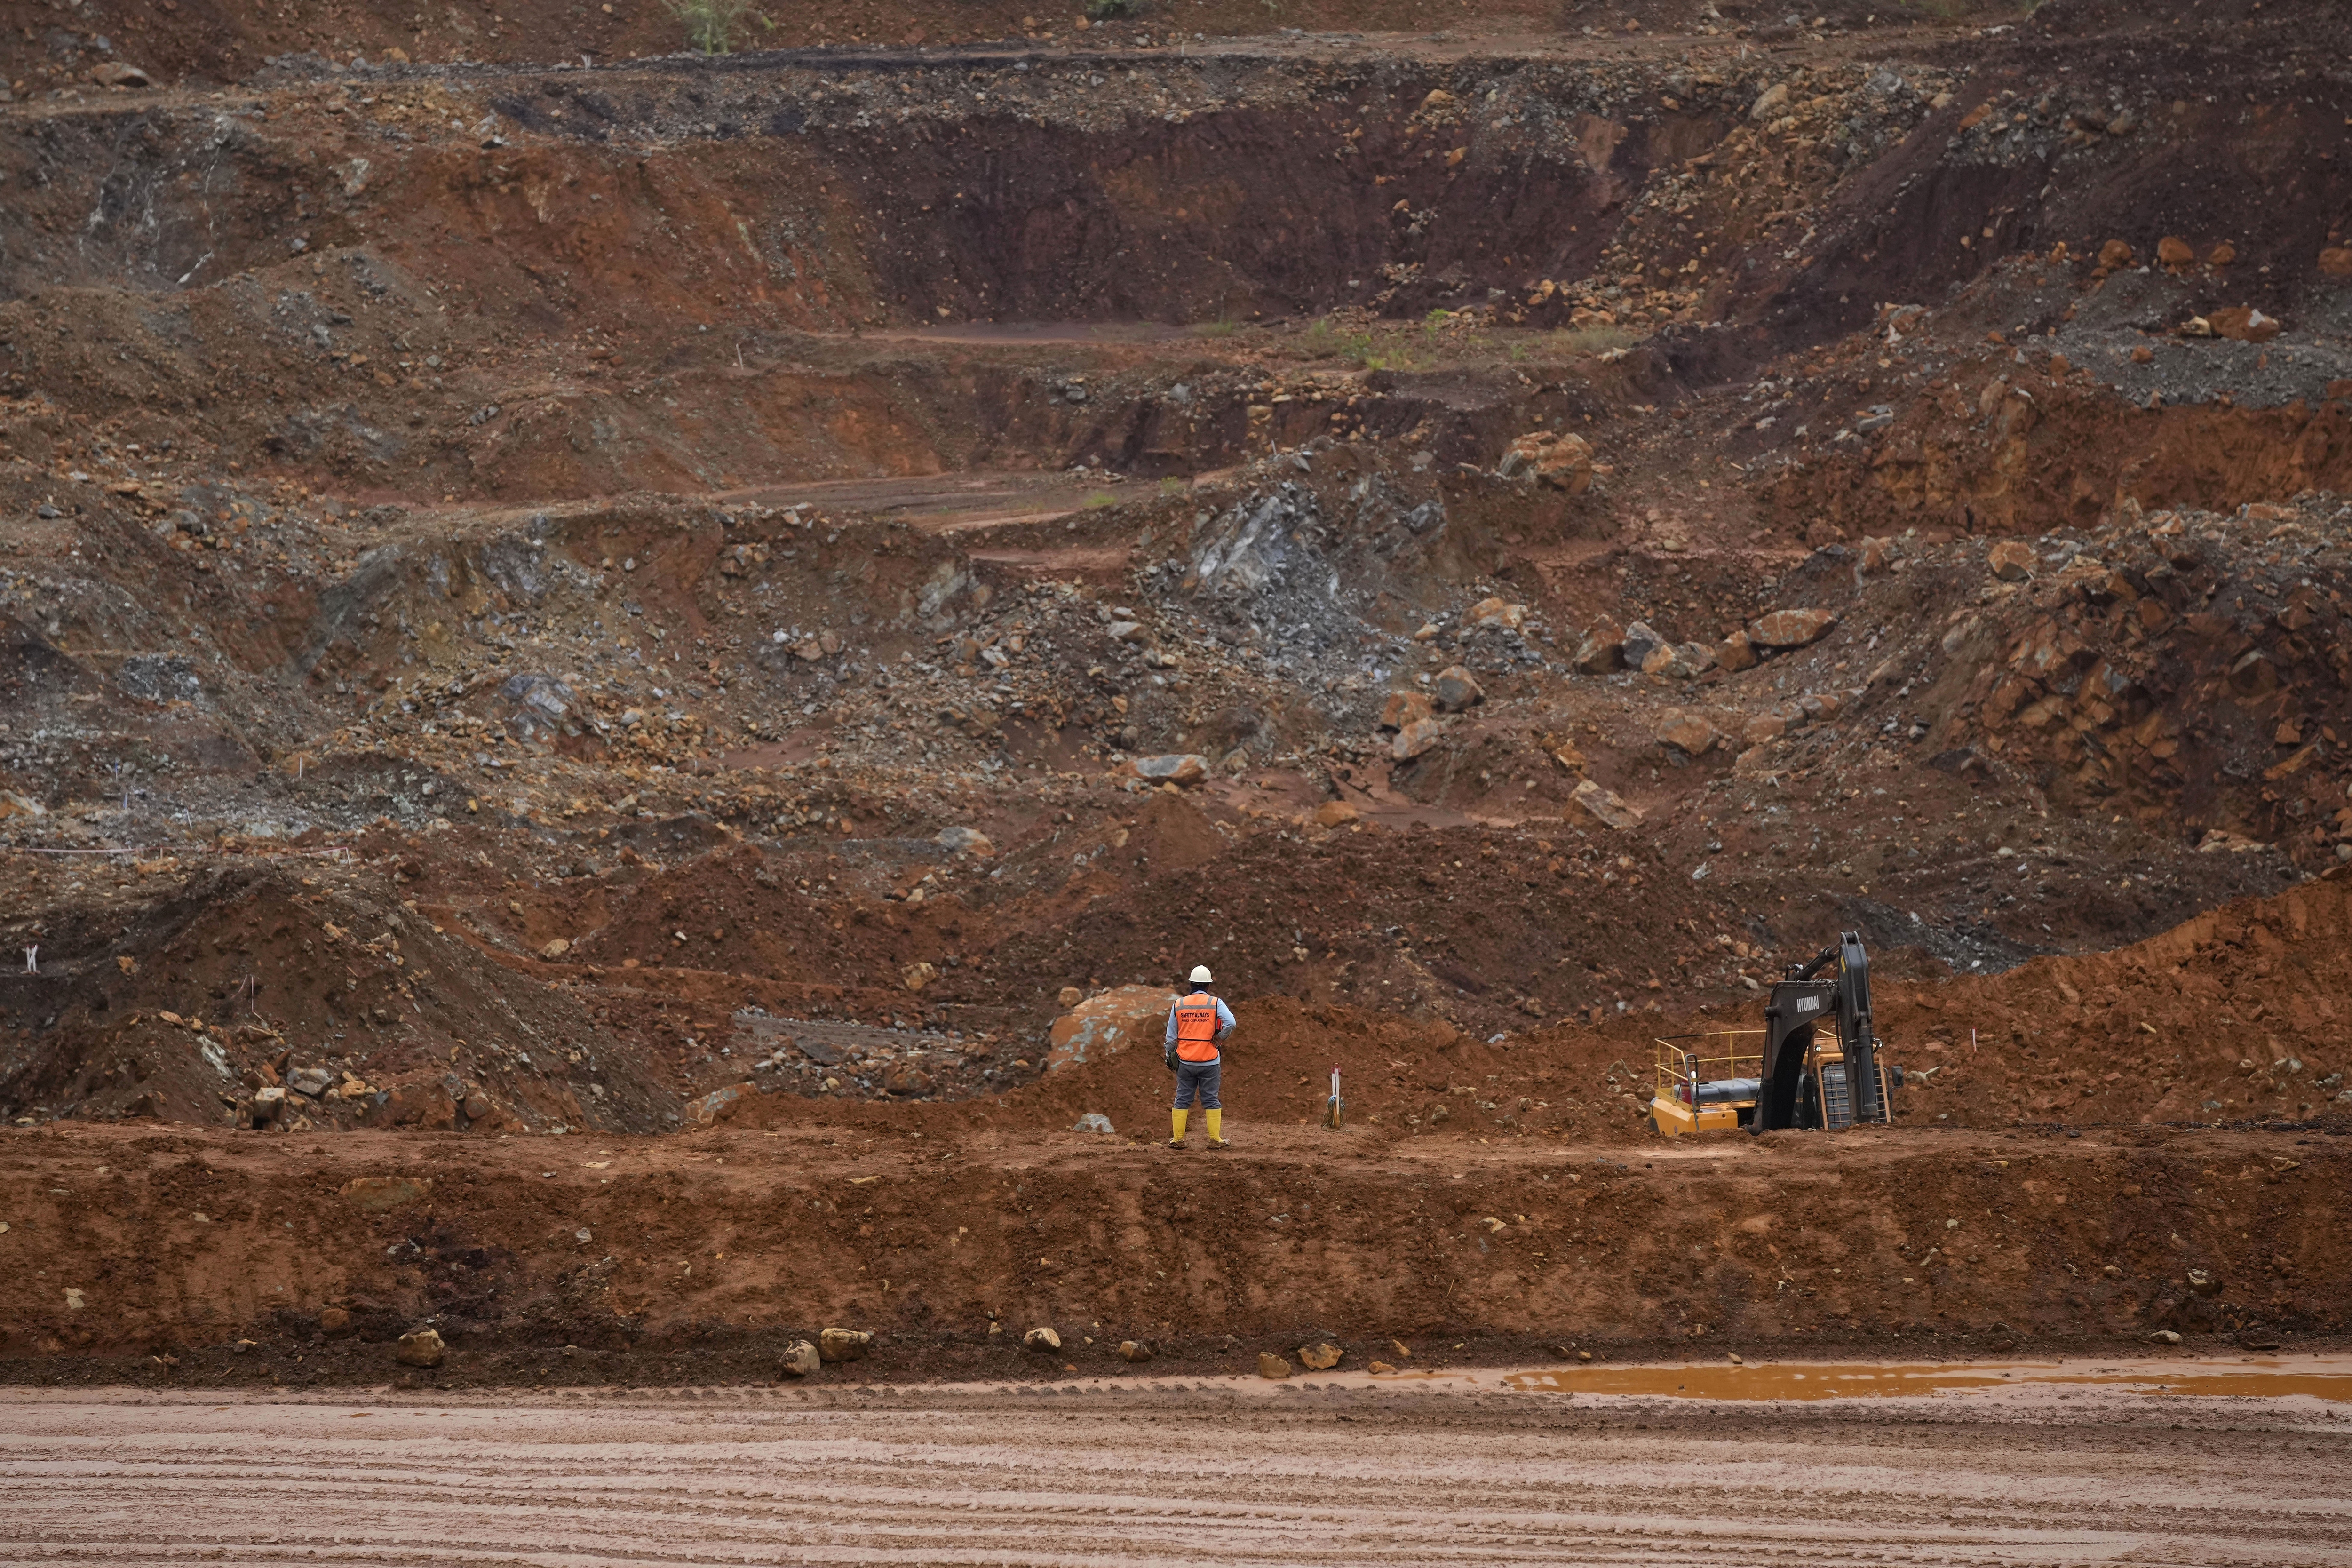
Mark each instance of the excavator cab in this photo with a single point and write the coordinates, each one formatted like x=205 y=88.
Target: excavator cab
x=1813 y=1065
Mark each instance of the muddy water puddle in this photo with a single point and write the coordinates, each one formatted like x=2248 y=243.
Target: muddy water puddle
x=2318 y=1377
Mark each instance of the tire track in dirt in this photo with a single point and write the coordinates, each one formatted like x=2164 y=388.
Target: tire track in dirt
x=1148 y=1477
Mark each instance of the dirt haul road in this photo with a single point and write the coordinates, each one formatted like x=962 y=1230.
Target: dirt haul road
x=1172 y=1472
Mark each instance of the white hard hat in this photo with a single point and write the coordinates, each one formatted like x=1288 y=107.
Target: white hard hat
x=1200 y=975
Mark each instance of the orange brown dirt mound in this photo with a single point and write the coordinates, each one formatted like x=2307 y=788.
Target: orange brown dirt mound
x=703 y=1254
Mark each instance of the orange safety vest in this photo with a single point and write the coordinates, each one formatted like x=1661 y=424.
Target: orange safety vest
x=1196 y=1028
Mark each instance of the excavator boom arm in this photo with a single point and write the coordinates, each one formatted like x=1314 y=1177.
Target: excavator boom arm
x=1834 y=986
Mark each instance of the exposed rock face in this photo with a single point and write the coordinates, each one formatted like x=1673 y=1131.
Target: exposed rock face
x=1101 y=1027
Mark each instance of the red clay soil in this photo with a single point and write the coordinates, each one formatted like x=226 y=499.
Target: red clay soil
x=1498 y=1192
x=700 y=1255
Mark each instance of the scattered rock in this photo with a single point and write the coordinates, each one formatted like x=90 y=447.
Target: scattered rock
x=915 y=976
x=540 y=703
x=2175 y=252
x=1092 y=1121
x=117 y=73
x=2242 y=323
x=906 y=1079
x=1735 y=653
x=2204 y=1281
x=1401 y=1350
x=843 y=1345
x=966 y=841
x=1379 y=1368
x=554 y=949
x=1679 y=661
x=1688 y=733
x=420 y=1347
x=1770 y=104
x=1762 y=729
x=1551 y=458
x=1590 y=803
x=1414 y=739
x=801 y=1359
x=1600 y=650
x=1497 y=613
x=334 y=1319
x=2164 y=1337
x=2114 y=256
x=1404 y=707
x=1456 y=690
x=1185 y=769
x=1272 y=1365
x=1041 y=1339
x=1335 y=814
x=477 y=1107
x=2011 y=560
x=373 y=1195
x=1321 y=1356
x=1639 y=643
x=1785 y=629
x=2336 y=261
x=1134 y=1350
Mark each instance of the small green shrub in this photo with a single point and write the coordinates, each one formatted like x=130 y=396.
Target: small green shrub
x=711 y=25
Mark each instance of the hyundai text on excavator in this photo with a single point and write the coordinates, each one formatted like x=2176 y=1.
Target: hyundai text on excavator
x=1813 y=1065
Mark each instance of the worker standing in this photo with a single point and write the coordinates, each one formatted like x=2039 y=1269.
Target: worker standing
x=1197 y=1027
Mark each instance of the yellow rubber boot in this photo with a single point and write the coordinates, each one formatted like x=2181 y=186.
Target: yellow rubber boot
x=1181 y=1116
x=1217 y=1128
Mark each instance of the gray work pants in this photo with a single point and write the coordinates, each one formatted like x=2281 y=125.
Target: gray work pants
x=1201 y=1078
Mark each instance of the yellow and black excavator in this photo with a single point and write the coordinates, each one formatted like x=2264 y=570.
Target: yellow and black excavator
x=1813 y=1065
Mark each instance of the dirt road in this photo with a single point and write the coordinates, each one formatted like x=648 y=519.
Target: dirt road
x=1215 y=1471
